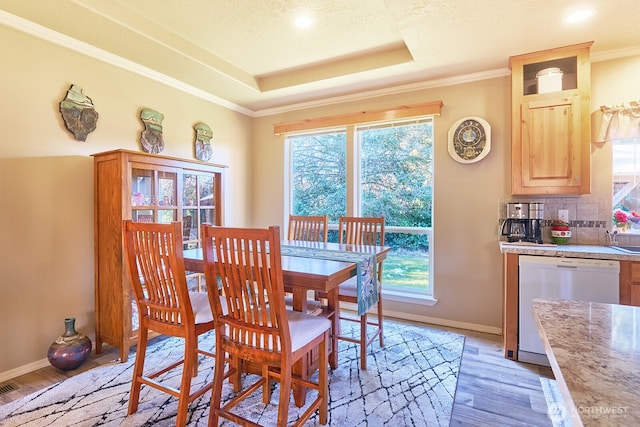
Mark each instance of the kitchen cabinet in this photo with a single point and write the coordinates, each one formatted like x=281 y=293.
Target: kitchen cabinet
x=630 y=283
x=550 y=121
x=510 y=305
x=150 y=188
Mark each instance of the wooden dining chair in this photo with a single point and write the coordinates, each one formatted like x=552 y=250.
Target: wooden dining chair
x=153 y=255
x=310 y=228
x=243 y=266
x=362 y=231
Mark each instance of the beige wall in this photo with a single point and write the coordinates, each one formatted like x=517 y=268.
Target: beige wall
x=465 y=221
x=46 y=182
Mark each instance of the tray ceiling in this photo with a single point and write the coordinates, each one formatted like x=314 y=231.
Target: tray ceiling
x=249 y=54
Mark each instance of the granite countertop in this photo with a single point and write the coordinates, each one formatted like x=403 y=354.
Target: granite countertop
x=594 y=351
x=568 y=251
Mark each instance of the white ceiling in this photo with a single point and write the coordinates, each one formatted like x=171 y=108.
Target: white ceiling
x=247 y=53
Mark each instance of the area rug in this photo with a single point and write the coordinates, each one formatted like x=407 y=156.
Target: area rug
x=409 y=382
x=556 y=407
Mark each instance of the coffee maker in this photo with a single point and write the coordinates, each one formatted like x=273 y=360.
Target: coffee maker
x=536 y=215
x=523 y=222
x=515 y=227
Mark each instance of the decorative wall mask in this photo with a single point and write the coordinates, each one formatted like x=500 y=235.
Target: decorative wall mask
x=203 y=142
x=151 y=137
x=78 y=113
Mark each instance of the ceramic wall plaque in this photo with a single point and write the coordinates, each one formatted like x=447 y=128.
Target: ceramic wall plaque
x=151 y=137
x=203 y=142
x=79 y=116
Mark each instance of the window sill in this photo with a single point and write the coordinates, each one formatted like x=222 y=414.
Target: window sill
x=421 y=299
x=404 y=297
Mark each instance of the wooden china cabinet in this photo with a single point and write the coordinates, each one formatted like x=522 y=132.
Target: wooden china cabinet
x=151 y=188
x=550 y=121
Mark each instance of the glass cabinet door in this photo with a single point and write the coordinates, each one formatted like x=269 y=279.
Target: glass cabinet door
x=190 y=225
x=142 y=188
x=198 y=192
x=142 y=195
x=167 y=192
x=153 y=195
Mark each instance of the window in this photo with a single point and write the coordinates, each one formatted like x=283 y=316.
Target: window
x=376 y=170
x=318 y=178
x=626 y=185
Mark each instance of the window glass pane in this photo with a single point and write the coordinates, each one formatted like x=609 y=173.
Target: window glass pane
x=407 y=266
x=396 y=174
x=396 y=181
x=166 y=216
x=205 y=188
x=189 y=225
x=189 y=196
x=318 y=174
x=206 y=215
x=626 y=185
x=142 y=191
x=167 y=183
x=142 y=215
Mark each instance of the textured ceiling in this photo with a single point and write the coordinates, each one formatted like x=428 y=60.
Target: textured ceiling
x=248 y=53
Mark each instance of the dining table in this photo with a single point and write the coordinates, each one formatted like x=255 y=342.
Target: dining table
x=312 y=266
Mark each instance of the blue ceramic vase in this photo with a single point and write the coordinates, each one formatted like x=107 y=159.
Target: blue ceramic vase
x=71 y=349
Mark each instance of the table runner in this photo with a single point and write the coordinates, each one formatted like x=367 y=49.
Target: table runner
x=366 y=273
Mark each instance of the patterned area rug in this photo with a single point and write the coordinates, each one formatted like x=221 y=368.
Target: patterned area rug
x=409 y=382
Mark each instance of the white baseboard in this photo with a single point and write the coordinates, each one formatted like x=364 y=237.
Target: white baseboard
x=24 y=369
x=431 y=320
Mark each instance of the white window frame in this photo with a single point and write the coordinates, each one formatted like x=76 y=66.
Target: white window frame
x=353 y=207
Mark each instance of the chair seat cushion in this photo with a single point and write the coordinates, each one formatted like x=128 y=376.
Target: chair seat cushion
x=305 y=327
x=202 y=308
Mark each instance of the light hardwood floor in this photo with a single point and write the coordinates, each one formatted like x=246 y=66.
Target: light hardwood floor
x=492 y=391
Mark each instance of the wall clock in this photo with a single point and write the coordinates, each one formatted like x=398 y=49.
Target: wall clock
x=469 y=139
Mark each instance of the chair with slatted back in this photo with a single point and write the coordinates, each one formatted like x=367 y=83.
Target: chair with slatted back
x=311 y=228
x=362 y=231
x=243 y=266
x=153 y=253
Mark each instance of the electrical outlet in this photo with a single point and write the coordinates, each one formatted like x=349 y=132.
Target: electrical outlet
x=563 y=215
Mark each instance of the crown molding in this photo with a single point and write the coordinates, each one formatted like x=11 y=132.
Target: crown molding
x=615 y=54
x=62 y=40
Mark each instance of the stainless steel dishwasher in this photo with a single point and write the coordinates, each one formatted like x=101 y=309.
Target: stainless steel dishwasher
x=567 y=278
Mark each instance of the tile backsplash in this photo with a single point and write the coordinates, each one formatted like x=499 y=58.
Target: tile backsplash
x=589 y=219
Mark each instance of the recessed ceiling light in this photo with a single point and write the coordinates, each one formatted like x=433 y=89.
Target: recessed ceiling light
x=303 y=21
x=578 y=16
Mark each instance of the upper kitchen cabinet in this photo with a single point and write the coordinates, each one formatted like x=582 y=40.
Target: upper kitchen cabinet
x=550 y=121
